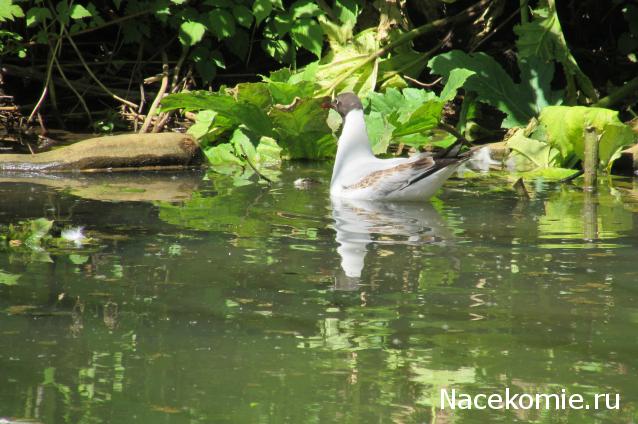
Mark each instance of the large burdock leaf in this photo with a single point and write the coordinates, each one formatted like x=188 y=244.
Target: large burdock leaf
x=536 y=76
x=529 y=153
x=564 y=128
x=302 y=130
x=231 y=111
x=557 y=139
x=351 y=65
x=379 y=132
x=425 y=118
x=542 y=38
x=455 y=80
x=492 y=84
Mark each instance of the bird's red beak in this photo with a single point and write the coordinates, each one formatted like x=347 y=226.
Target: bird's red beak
x=327 y=103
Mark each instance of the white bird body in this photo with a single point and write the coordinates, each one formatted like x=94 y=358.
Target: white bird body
x=359 y=175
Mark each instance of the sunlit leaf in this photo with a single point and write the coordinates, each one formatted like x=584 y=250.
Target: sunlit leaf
x=308 y=34
x=191 y=33
x=222 y=23
x=261 y=10
x=79 y=12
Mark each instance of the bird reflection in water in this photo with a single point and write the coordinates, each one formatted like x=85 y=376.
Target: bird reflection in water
x=359 y=223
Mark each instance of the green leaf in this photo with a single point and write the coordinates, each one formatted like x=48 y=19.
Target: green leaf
x=303 y=132
x=542 y=38
x=220 y=3
x=256 y=93
x=398 y=106
x=197 y=100
x=238 y=43
x=308 y=34
x=261 y=10
x=565 y=128
x=347 y=12
x=206 y=62
x=277 y=49
x=305 y=9
x=455 y=80
x=423 y=119
x=268 y=152
x=492 y=84
x=539 y=75
x=10 y=11
x=282 y=24
x=222 y=23
x=222 y=155
x=236 y=113
x=203 y=124
x=79 y=12
x=533 y=153
x=37 y=15
x=379 y=132
x=243 y=15
x=242 y=145
x=191 y=33
x=558 y=139
x=284 y=93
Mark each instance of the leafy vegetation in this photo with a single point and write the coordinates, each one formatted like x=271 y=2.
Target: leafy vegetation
x=556 y=139
x=380 y=50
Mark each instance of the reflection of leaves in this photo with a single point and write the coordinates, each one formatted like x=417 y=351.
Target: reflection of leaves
x=563 y=216
x=8 y=279
x=439 y=379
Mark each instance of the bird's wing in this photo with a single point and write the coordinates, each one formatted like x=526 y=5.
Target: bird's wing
x=401 y=176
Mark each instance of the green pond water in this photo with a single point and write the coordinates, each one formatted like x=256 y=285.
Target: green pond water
x=201 y=301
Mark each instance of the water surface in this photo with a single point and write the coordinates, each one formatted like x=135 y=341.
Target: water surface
x=216 y=302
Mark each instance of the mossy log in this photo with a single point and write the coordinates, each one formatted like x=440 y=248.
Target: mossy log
x=112 y=153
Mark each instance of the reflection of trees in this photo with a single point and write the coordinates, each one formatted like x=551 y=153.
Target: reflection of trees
x=207 y=320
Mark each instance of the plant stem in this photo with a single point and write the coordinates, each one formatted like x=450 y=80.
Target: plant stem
x=158 y=98
x=524 y=12
x=47 y=79
x=77 y=94
x=590 y=162
x=630 y=88
x=90 y=72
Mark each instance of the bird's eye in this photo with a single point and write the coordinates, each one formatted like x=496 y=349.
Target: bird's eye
x=336 y=102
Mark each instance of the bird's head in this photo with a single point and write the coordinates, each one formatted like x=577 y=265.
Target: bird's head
x=343 y=103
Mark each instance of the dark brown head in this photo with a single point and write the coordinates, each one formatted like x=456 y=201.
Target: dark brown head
x=344 y=103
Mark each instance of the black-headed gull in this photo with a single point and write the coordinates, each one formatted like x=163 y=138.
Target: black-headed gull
x=358 y=174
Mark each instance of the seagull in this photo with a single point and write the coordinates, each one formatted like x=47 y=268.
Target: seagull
x=358 y=174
